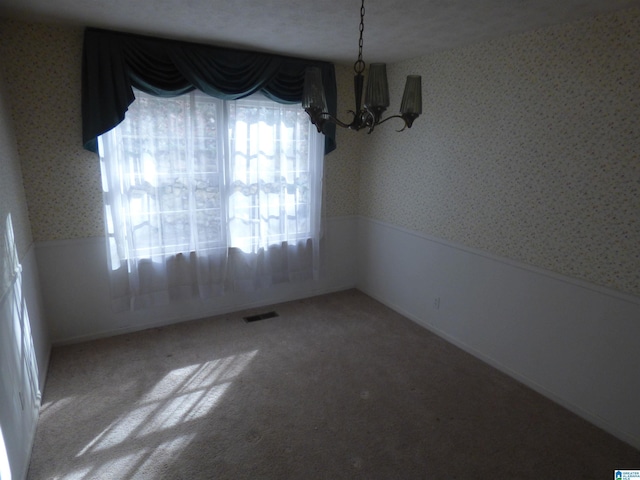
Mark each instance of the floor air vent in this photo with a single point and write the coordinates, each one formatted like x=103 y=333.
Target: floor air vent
x=260 y=316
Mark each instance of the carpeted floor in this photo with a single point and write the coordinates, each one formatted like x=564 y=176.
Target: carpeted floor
x=336 y=387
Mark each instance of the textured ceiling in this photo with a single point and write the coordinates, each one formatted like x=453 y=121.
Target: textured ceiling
x=321 y=29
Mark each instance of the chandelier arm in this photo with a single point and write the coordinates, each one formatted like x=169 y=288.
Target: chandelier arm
x=319 y=118
x=339 y=122
x=406 y=123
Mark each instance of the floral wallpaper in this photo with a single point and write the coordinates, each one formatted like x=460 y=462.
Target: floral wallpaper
x=341 y=172
x=61 y=180
x=529 y=148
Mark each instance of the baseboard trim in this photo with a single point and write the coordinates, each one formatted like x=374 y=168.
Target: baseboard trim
x=586 y=415
x=239 y=307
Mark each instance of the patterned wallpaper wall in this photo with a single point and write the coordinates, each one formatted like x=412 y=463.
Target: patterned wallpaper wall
x=62 y=180
x=529 y=148
x=342 y=165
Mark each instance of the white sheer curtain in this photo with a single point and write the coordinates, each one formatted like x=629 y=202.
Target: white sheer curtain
x=204 y=196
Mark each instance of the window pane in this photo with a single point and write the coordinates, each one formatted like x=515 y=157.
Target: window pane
x=269 y=201
x=172 y=191
x=166 y=169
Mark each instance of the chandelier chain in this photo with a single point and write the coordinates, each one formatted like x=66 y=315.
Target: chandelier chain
x=360 y=65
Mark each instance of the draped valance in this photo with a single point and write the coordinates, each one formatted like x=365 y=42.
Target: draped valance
x=115 y=62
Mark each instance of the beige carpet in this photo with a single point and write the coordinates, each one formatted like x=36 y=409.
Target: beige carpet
x=336 y=387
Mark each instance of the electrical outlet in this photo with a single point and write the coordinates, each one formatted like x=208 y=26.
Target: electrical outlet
x=436 y=303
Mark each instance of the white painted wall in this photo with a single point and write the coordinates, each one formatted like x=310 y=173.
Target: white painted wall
x=24 y=343
x=571 y=341
x=24 y=356
x=76 y=289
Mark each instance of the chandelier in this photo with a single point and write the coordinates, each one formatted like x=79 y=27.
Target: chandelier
x=376 y=99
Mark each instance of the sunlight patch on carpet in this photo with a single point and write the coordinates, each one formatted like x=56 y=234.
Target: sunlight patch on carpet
x=159 y=418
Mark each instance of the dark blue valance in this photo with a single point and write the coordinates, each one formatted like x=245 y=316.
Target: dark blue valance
x=115 y=62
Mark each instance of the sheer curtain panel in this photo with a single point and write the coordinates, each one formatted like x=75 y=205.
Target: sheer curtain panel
x=204 y=196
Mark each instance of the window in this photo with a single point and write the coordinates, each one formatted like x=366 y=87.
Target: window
x=192 y=178
x=271 y=189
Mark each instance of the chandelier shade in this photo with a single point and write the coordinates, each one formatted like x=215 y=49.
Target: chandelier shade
x=376 y=95
x=313 y=92
x=411 y=105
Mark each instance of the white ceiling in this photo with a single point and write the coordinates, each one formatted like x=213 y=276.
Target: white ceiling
x=321 y=29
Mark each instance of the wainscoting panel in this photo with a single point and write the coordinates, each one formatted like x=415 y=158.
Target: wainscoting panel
x=575 y=343
x=75 y=287
x=24 y=358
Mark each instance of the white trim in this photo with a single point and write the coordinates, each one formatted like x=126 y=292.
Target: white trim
x=628 y=297
x=235 y=308
x=66 y=242
x=572 y=407
x=75 y=287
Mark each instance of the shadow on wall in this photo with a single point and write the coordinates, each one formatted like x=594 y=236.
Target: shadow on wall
x=19 y=392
